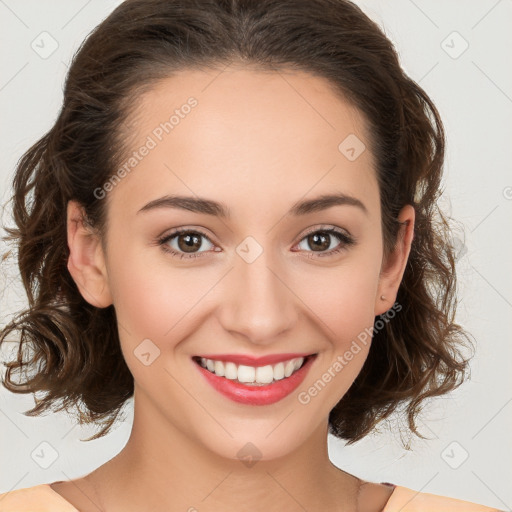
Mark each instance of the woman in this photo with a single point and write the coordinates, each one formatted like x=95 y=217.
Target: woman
x=234 y=221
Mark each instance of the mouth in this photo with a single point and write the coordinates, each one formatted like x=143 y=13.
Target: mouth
x=253 y=375
x=255 y=385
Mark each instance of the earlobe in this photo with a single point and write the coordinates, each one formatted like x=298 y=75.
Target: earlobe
x=393 y=268
x=86 y=262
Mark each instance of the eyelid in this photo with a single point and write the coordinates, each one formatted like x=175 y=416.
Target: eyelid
x=166 y=237
x=185 y=229
x=344 y=237
x=326 y=227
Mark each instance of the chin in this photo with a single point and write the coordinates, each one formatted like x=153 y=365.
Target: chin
x=257 y=441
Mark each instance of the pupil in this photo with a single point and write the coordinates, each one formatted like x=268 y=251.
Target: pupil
x=315 y=237
x=190 y=242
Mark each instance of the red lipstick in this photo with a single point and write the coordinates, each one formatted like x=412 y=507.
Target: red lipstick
x=257 y=394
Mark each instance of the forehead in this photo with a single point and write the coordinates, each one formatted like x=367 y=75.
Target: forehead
x=263 y=134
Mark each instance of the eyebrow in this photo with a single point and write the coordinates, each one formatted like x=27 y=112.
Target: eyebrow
x=210 y=207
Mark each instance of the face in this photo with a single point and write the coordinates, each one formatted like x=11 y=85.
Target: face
x=267 y=278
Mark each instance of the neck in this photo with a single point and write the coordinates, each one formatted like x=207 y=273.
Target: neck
x=163 y=468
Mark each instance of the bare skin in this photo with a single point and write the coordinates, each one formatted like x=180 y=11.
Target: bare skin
x=258 y=142
x=85 y=493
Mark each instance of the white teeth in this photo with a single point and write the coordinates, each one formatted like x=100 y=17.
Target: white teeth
x=246 y=373
x=279 y=371
x=219 y=368
x=230 y=371
x=264 y=374
x=289 y=367
x=251 y=374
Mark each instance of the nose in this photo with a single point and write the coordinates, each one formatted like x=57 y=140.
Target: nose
x=257 y=302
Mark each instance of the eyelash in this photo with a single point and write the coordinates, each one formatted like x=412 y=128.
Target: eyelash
x=345 y=242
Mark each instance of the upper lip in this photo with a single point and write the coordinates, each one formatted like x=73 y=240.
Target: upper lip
x=255 y=361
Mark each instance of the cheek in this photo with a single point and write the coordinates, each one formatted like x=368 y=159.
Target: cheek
x=341 y=302
x=346 y=316
x=159 y=302
x=150 y=298
x=155 y=310
x=342 y=297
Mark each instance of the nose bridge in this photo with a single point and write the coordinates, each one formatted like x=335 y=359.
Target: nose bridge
x=260 y=306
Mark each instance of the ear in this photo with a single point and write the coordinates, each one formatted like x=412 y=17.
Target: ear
x=393 y=267
x=86 y=262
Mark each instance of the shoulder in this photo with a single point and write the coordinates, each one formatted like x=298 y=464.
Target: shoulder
x=38 y=498
x=404 y=499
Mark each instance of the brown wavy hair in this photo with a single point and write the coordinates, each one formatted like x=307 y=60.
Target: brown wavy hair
x=75 y=355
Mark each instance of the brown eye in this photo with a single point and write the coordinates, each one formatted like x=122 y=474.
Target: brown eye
x=184 y=243
x=189 y=242
x=320 y=242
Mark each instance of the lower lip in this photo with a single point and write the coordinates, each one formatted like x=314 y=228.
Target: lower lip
x=257 y=395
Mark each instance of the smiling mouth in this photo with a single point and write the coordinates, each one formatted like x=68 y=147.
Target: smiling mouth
x=253 y=375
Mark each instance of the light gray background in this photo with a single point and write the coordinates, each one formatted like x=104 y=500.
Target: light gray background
x=473 y=92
